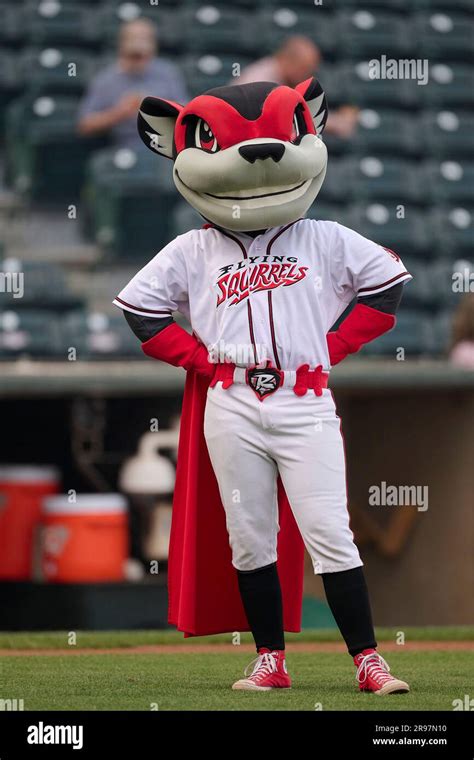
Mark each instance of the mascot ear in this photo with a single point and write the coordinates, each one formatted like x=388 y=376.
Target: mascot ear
x=314 y=95
x=156 y=123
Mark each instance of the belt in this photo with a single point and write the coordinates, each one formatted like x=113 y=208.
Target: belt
x=266 y=380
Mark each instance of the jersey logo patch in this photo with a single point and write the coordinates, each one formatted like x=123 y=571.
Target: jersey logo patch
x=235 y=286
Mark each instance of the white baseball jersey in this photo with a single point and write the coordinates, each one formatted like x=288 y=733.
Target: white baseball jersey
x=274 y=296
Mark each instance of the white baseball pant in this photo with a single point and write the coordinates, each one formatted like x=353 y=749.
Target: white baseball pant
x=250 y=442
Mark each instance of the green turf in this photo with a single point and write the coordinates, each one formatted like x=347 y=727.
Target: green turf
x=194 y=681
x=94 y=639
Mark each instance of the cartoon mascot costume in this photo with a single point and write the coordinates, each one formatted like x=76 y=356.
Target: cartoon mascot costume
x=261 y=469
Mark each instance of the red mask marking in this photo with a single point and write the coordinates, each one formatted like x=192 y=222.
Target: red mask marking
x=231 y=128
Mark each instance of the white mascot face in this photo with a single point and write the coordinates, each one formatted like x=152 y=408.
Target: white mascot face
x=247 y=157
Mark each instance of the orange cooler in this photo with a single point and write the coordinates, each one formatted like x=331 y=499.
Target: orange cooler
x=85 y=541
x=22 y=489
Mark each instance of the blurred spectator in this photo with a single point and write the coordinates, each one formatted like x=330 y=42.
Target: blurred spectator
x=112 y=100
x=295 y=60
x=462 y=344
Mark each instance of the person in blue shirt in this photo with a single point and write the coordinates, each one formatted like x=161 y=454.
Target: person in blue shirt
x=111 y=102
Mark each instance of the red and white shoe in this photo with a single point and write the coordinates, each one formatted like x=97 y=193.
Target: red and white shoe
x=269 y=672
x=373 y=674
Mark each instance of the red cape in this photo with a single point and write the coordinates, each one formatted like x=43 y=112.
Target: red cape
x=203 y=591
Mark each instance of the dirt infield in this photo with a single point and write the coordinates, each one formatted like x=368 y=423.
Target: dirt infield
x=191 y=648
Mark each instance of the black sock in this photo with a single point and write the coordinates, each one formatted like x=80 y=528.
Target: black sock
x=261 y=596
x=348 y=599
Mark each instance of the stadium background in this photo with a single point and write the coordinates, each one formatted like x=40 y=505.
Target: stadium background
x=78 y=218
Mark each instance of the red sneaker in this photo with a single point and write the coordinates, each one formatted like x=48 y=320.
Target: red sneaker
x=269 y=672
x=373 y=674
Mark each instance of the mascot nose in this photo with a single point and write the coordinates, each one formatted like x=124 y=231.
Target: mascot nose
x=261 y=151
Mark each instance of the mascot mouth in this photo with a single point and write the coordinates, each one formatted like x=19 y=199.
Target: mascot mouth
x=297 y=189
x=241 y=195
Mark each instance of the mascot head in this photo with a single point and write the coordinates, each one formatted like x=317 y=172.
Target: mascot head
x=247 y=157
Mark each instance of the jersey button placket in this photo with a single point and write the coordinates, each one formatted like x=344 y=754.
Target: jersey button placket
x=259 y=305
x=256 y=320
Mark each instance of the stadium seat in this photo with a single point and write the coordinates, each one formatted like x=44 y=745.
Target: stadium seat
x=129 y=11
x=453 y=230
x=370 y=177
x=447 y=133
x=432 y=285
x=331 y=212
x=247 y=5
x=300 y=4
x=55 y=70
x=274 y=24
x=384 y=178
x=52 y=22
x=185 y=218
x=130 y=197
x=387 y=132
x=454 y=5
x=442 y=332
x=373 y=33
x=403 y=230
x=10 y=84
x=168 y=17
x=441 y=273
x=45 y=155
x=414 y=333
x=444 y=35
x=205 y=71
x=75 y=2
x=332 y=83
x=44 y=286
x=449 y=85
x=216 y=29
x=359 y=87
x=448 y=181
x=32 y=332
x=12 y=27
x=418 y=294
x=393 y=5
x=98 y=335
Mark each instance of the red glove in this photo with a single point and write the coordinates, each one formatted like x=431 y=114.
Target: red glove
x=177 y=347
x=361 y=326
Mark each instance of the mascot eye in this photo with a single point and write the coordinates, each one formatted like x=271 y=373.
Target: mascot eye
x=204 y=137
x=298 y=128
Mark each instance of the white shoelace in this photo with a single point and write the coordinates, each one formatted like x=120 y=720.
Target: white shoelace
x=265 y=664
x=372 y=664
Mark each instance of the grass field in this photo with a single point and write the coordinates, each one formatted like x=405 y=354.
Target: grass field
x=185 y=678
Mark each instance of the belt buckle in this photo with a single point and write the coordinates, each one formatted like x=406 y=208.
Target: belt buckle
x=264 y=381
